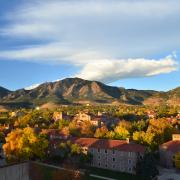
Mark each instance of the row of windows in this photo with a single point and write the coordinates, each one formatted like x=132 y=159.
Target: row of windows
x=113 y=166
x=130 y=154
x=105 y=151
x=114 y=159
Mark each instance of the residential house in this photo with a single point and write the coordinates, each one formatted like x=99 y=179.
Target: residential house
x=60 y=115
x=151 y=114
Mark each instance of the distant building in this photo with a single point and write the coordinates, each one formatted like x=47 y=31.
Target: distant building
x=81 y=116
x=98 y=120
x=151 y=114
x=168 y=150
x=117 y=155
x=60 y=115
x=57 y=116
x=54 y=134
x=17 y=113
x=2 y=156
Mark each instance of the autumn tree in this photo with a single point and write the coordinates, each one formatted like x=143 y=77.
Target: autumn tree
x=87 y=129
x=101 y=132
x=74 y=129
x=24 y=144
x=145 y=138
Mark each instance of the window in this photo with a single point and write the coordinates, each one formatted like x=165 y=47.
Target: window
x=129 y=161
x=113 y=151
x=113 y=166
x=141 y=157
x=130 y=169
x=106 y=165
x=113 y=159
x=98 y=150
x=99 y=164
x=105 y=151
x=99 y=157
x=130 y=154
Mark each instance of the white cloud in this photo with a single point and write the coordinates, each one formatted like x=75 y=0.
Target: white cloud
x=53 y=53
x=109 y=71
x=32 y=87
x=120 y=28
x=102 y=37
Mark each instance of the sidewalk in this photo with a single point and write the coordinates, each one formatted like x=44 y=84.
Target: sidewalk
x=101 y=177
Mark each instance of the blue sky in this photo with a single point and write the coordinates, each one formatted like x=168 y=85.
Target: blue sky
x=131 y=44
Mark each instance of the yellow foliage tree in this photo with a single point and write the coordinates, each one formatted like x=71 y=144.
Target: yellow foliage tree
x=101 y=132
x=121 y=132
x=24 y=144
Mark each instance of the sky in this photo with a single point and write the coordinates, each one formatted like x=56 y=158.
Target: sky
x=125 y=43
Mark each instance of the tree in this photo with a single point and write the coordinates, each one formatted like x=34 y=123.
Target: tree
x=177 y=160
x=146 y=167
x=139 y=125
x=24 y=144
x=101 y=132
x=111 y=135
x=121 y=132
x=63 y=123
x=73 y=153
x=146 y=138
x=87 y=129
x=2 y=137
x=74 y=129
x=138 y=136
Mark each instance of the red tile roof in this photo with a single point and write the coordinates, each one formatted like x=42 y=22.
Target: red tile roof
x=173 y=146
x=120 y=145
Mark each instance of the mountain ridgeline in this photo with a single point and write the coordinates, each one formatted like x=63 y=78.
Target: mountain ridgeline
x=3 y=92
x=79 y=91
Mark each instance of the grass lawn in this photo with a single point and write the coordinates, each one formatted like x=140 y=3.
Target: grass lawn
x=112 y=174
x=41 y=172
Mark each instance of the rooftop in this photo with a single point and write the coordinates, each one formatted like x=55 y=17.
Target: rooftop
x=121 y=145
x=173 y=146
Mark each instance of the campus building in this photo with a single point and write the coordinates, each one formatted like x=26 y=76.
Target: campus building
x=117 y=155
x=168 y=150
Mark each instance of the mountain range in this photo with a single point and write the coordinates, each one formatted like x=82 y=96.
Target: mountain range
x=80 y=91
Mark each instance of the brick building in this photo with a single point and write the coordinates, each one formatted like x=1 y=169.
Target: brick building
x=117 y=155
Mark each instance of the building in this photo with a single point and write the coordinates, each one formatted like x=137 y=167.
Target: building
x=151 y=114
x=2 y=156
x=60 y=115
x=57 y=116
x=97 y=121
x=168 y=150
x=17 y=113
x=81 y=116
x=117 y=155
